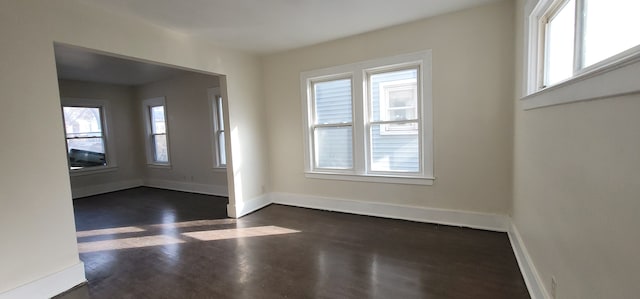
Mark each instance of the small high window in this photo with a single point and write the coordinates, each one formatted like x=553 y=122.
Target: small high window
x=575 y=36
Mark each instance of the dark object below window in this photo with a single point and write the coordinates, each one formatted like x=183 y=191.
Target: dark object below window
x=82 y=158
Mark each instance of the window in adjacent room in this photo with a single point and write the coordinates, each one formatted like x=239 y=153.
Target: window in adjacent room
x=85 y=133
x=157 y=131
x=217 y=128
x=576 y=36
x=370 y=121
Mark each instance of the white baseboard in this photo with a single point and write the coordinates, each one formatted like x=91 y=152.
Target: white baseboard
x=240 y=209
x=484 y=221
x=529 y=273
x=50 y=285
x=218 y=190
x=104 y=188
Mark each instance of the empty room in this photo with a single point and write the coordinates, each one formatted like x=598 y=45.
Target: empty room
x=319 y=149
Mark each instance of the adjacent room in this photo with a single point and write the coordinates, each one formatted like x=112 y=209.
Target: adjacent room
x=319 y=149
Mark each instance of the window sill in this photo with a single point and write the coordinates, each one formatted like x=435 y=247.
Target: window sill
x=160 y=166
x=613 y=79
x=92 y=170
x=219 y=169
x=371 y=178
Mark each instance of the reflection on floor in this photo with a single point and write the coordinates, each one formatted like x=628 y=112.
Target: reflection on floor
x=151 y=243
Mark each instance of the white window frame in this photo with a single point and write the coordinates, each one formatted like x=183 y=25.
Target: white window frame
x=359 y=74
x=607 y=78
x=217 y=118
x=149 y=144
x=107 y=135
x=313 y=127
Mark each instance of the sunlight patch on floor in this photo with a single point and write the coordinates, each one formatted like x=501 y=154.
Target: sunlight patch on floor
x=235 y=233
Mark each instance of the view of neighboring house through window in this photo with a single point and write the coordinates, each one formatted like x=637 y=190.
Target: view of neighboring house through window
x=394 y=126
x=332 y=128
x=84 y=130
x=156 y=126
x=370 y=120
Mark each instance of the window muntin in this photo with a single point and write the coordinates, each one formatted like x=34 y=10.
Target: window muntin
x=577 y=35
x=384 y=122
x=157 y=143
x=332 y=126
x=85 y=136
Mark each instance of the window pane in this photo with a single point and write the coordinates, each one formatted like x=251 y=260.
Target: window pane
x=333 y=101
x=157 y=120
x=394 y=95
x=86 y=152
x=221 y=149
x=220 y=114
x=560 y=41
x=82 y=122
x=399 y=153
x=611 y=27
x=160 y=147
x=334 y=147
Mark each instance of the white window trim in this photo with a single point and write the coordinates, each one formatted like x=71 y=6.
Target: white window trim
x=608 y=78
x=110 y=143
x=358 y=73
x=146 y=105
x=214 y=94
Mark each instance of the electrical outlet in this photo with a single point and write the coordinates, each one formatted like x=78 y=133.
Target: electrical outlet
x=554 y=286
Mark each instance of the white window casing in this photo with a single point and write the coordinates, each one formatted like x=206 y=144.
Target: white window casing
x=216 y=108
x=612 y=76
x=362 y=123
x=107 y=135
x=156 y=156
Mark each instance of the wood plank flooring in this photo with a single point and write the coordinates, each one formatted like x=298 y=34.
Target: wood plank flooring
x=151 y=243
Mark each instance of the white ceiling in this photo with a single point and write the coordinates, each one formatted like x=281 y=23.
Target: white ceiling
x=265 y=26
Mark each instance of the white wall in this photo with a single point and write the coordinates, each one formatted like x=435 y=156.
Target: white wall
x=36 y=219
x=472 y=100
x=576 y=191
x=123 y=123
x=190 y=142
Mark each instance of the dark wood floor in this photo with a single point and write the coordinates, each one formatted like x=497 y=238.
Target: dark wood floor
x=150 y=243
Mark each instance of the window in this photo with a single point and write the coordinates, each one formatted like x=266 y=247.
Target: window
x=86 y=134
x=85 y=137
x=578 y=35
x=157 y=131
x=370 y=121
x=217 y=128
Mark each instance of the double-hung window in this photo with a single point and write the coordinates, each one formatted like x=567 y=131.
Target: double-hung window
x=217 y=128
x=157 y=144
x=573 y=37
x=86 y=135
x=370 y=121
